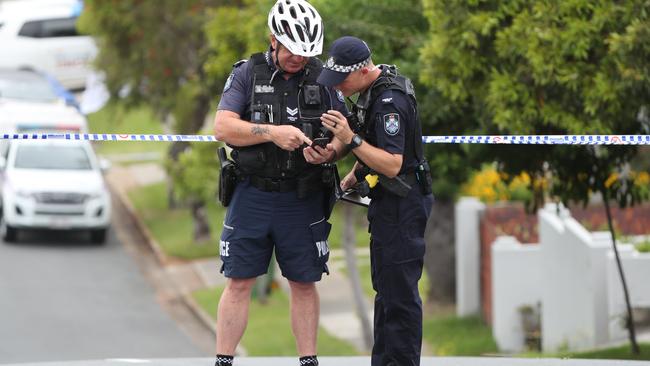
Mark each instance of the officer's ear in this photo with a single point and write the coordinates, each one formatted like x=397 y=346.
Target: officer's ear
x=365 y=70
x=274 y=41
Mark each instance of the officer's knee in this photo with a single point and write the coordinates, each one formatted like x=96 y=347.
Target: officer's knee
x=303 y=288
x=240 y=287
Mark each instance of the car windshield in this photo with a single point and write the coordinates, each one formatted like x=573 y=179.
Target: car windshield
x=52 y=157
x=26 y=88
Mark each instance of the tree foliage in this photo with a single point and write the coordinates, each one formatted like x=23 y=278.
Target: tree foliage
x=547 y=67
x=195 y=182
x=235 y=31
x=158 y=50
x=154 y=47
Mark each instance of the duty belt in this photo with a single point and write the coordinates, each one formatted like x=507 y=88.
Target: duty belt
x=273 y=185
x=409 y=178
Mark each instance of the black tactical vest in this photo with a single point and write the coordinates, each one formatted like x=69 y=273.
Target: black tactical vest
x=269 y=105
x=390 y=79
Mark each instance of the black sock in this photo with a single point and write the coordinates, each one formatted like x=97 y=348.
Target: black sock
x=309 y=361
x=224 y=360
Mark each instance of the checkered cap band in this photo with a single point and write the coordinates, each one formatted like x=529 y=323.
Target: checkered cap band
x=331 y=65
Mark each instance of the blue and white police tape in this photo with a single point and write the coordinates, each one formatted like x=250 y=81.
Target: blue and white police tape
x=107 y=137
x=492 y=139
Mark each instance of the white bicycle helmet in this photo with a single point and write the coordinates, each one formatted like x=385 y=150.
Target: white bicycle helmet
x=298 y=26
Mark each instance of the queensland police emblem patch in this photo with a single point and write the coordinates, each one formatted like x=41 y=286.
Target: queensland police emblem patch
x=391 y=123
x=228 y=82
x=330 y=63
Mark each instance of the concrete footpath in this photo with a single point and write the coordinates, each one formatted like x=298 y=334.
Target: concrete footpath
x=338 y=315
x=348 y=361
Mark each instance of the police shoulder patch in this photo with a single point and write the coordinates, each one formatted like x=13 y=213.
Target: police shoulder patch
x=340 y=97
x=391 y=123
x=229 y=82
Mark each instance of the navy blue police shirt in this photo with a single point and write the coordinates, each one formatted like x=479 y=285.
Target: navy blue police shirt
x=392 y=115
x=237 y=92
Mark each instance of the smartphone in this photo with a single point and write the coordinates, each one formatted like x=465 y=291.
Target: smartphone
x=320 y=141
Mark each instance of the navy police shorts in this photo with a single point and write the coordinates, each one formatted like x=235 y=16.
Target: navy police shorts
x=257 y=222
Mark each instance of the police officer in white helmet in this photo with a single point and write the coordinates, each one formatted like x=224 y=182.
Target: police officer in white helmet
x=269 y=113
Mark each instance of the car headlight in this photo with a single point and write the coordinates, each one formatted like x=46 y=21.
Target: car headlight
x=95 y=195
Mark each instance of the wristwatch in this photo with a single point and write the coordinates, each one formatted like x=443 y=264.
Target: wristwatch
x=356 y=142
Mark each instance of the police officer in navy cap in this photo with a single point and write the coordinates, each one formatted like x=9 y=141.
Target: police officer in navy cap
x=385 y=136
x=269 y=113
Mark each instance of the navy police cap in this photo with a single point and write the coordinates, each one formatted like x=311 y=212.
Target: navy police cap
x=347 y=54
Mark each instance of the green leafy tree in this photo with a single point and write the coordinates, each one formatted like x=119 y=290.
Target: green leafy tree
x=234 y=32
x=548 y=67
x=157 y=49
x=195 y=184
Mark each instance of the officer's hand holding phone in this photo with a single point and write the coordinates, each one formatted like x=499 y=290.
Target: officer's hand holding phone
x=336 y=122
x=319 y=152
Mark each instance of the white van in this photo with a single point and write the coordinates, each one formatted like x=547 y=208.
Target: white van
x=42 y=35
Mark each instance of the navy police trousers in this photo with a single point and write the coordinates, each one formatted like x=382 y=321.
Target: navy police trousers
x=397 y=251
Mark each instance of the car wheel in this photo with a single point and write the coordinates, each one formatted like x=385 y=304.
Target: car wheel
x=9 y=234
x=98 y=236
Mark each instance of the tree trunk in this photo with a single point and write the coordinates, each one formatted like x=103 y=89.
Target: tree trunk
x=630 y=318
x=201 y=108
x=439 y=259
x=353 y=272
x=201 y=230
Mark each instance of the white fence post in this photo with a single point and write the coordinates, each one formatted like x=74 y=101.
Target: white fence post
x=516 y=282
x=468 y=250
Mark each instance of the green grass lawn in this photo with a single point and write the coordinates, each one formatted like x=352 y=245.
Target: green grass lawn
x=269 y=328
x=173 y=228
x=448 y=335
x=115 y=118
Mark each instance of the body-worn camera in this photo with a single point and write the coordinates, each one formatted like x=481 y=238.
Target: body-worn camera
x=311 y=95
x=262 y=113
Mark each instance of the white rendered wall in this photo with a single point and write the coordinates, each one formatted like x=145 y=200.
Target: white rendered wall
x=571 y=285
x=516 y=282
x=636 y=267
x=468 y=248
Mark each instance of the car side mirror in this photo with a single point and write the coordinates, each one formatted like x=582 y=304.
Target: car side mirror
x=104 y=164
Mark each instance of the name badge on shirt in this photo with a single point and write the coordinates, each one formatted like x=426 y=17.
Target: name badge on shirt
x=264 y=89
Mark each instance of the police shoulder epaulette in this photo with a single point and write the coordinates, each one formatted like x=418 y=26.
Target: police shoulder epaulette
x=387 y=96
x=238 y=63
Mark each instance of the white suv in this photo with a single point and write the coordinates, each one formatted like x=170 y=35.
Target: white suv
x=42 y=35
x=53 y=184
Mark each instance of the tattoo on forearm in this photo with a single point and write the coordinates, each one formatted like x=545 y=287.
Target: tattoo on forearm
x=258 y=130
